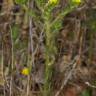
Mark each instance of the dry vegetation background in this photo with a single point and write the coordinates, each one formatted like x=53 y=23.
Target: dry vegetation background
x=74 y=71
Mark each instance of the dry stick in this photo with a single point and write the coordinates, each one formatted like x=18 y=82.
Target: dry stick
x=31 y=33
x=3 y=68
x=74 y=63
x=90 y=85
x=12 y=62
x=31 y=45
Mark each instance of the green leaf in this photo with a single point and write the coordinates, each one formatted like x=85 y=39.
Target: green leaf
x=32 y=13
x=15 y=32
x=21 y=2
x=40 y=3
x=86 y=93
x=57 y=25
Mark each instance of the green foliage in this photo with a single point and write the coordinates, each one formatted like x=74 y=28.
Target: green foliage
x=91 y=25
x=21 y=2
x=15 y=32
x=40 y=3
x=50 y=26
x=86 y=92
x=91 y=20
x=31 y=13
x=56 y=26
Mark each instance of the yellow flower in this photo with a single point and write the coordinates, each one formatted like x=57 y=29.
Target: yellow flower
x=53 y=1
x=25 y=71
x=77 y=1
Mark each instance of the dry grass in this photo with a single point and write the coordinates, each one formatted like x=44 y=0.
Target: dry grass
x=22 y=44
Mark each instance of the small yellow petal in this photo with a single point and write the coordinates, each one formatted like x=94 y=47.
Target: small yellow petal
x=53 y=1
x=77 y=1
x=25 y=71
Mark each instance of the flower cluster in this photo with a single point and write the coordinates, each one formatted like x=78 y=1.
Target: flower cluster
x=77 y=1
x=25 y=71
x=53 y=1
